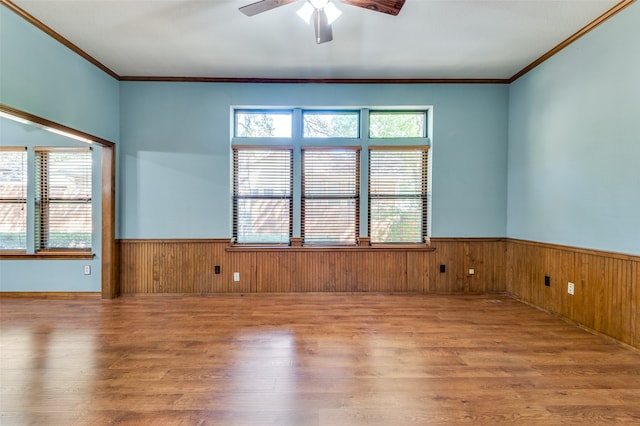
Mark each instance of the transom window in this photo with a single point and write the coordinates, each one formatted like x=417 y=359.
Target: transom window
x=263 y=124
x=298 y=174
x=398 y=124
x=330 y=124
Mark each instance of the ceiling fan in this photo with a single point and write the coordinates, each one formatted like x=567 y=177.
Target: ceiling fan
x=324 y=12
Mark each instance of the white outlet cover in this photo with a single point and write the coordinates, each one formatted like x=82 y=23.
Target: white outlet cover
x=236 y=276
x=571 y=288
x=472 y=271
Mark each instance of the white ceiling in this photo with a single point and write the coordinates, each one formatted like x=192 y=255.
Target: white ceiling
x=429 y=39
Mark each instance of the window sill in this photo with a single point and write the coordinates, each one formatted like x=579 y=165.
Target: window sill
x=319 y=248
x=47 y=255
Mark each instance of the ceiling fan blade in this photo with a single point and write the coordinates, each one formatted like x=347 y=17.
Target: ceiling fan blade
x=391 y=7
x=324 y=33
x=263 y=6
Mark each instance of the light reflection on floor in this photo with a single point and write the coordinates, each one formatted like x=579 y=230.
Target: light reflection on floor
x=46 y=368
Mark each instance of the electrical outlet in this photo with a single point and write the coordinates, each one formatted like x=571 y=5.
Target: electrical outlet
x=472 y=271
x=547 y=280
x=236 y=276
x=216 y=269
x=443 y=268
x=571 y=288
x=87 y=269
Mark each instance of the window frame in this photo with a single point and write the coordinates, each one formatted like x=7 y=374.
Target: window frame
x=422 y=196
x=20 y=200
x=364 y=142
x=236 y=197
x=43 y=201
x=312 y=197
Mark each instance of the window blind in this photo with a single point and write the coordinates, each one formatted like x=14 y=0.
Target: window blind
x=330 y=195
x=398 y=194
x=13 y=198
x=262 y=194
x=63 y=198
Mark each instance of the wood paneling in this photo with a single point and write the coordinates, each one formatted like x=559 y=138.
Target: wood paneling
x=187 y=267
x=485 y=256
x=606 y=299
x=167 y=266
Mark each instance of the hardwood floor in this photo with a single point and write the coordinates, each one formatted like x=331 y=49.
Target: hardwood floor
x=307 y=359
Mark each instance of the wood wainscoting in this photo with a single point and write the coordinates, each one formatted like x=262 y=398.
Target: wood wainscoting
x=188 y=267
x=607 y=286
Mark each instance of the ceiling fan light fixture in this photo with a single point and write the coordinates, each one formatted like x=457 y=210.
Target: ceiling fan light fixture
x=332 y=12
x=306 y=11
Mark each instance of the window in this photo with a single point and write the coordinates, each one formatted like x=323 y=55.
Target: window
x=397 y=194
x=13 y=198
x=330 y=124
x=263 y=124
x=330 y=195
x=397 y=124
x=63 y=199
x=297 y=175
x=262 y=197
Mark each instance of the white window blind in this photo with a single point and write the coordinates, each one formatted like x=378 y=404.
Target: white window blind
x=398 y=194
x=63 y=198
x=330 y=195
x=262 y=194
x=13 y=198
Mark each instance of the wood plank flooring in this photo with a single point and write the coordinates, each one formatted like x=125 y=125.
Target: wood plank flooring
x=307 y=359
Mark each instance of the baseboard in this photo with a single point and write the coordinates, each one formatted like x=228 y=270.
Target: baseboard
x=49 y=295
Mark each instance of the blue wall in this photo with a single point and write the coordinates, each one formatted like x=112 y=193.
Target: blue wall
x=175 y=152
x=41 y=76
x=574 y=143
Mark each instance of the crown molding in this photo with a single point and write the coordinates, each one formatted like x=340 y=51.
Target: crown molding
x=575 y=36
x=584 y=30
x=48 y=30
x=319 y=80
